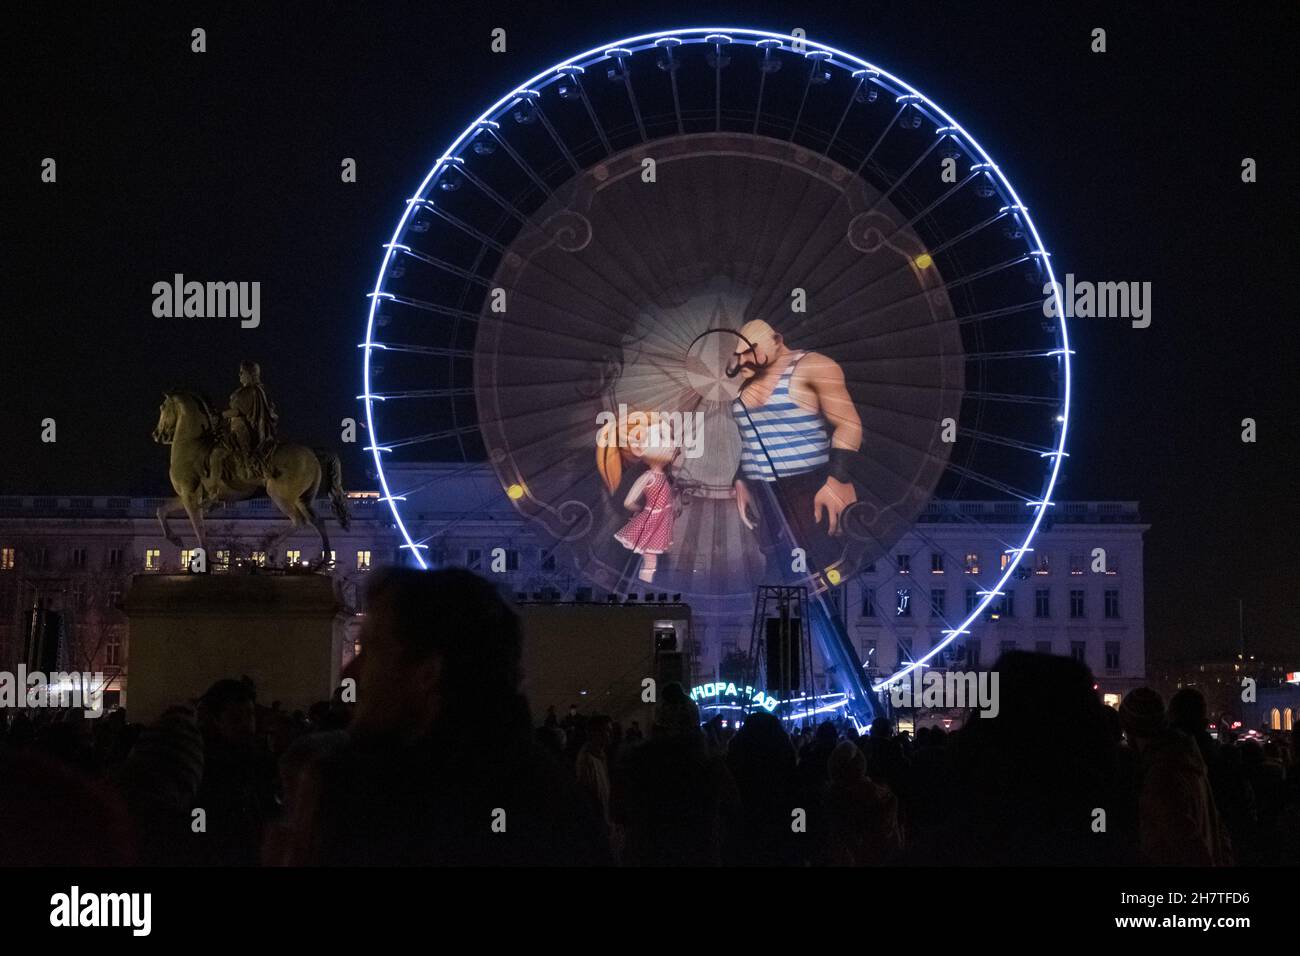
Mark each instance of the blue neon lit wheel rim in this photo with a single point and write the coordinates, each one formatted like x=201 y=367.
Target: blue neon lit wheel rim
x=457 y=156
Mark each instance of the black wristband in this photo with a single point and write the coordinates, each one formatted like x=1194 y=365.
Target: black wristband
x=841 y=458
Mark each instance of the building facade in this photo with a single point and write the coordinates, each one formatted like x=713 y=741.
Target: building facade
x=1078 y=593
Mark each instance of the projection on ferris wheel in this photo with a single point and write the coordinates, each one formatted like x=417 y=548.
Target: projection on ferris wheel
x=724 y=308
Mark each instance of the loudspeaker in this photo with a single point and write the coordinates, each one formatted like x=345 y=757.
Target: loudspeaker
x=783 y=664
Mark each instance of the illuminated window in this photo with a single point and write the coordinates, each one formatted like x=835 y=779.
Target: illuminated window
x=936 y=562
x=187 y=554
x=1288 y=719
x=293 y=557
x=904 y=564
x=222 y=562
x=330 y=558
x=972 y=563
x=1078 y=564
x=363 y=560
x=6 y=559
x=1275 y=719
x=1112 y=604
x=152 y=559
x=258 y=558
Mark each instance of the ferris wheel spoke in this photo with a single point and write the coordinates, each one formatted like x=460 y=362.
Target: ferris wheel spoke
x=669 y=65
x=853 y=98
x=434 y=307
x=990 y=482
x=392 y=444
x=435 y=350
x=575 y=73
x=555 y=137
x=1031 y=305
x=458 y=223
x=620 y=56
x=494 y=131
x=1050 y=400
x=899 y=180
x=880 y=139
x=766 y=66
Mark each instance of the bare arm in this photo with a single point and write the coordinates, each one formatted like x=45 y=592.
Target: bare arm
x=824 y=378
x=635 y=491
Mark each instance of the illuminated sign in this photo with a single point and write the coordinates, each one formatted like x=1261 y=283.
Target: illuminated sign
x=728 y=690
x=1293 y=677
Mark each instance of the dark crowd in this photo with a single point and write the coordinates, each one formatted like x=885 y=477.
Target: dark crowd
x=439 y=762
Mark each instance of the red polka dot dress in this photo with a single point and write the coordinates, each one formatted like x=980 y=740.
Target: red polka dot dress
x=651 y=529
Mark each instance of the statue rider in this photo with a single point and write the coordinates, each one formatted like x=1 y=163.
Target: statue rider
x=252 y=421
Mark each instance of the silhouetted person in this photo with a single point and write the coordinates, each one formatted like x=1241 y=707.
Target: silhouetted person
x=237 y=792
x=761 y=759
x=53 y=815
x=159 y=780
x=674 y=798
x=862 y=816
x=1030 y=779
x=441 y=766
x=1178 y=824
x=592 y=766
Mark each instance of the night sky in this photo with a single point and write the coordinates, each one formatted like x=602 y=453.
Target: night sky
x=225 y=166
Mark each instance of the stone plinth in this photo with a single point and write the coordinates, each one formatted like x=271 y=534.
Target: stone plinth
x=187 y=631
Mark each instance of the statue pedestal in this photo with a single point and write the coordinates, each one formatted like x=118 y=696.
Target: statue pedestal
x=187 y=631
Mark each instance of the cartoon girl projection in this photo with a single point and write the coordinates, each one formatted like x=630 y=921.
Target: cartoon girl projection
x=650 y=532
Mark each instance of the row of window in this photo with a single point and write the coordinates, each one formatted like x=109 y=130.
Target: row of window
x=967 y=653
x=1003 y=605
x=504 y=559
x=114 y=558
x=1040 y=564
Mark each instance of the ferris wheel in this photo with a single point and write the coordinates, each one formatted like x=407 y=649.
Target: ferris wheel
x=602 y=249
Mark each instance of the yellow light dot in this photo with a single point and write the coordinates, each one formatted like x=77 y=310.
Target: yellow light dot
x=833 y=576
x=924 y=260
x=515 y=492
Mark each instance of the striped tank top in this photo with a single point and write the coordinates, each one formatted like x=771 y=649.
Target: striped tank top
x=780 y=433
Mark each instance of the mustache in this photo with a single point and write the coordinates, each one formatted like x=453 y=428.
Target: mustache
x=733 y=369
